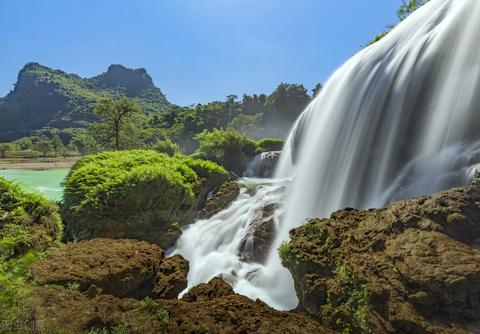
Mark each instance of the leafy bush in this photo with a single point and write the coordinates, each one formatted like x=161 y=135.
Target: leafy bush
x=229 y=148
x=129 y=193
x=168 y=147
x=27 y=221
x=269 y=144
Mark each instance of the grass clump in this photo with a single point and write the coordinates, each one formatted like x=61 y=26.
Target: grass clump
x=355 y=296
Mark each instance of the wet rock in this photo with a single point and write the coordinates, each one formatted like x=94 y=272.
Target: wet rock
x=215 y=288
x=226 y=194
x=118 y=267
x=256 y=245
x=171 y=277
x=413 y=267
x=263 y=165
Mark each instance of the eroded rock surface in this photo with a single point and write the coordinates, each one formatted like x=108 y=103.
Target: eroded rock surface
x=171 y=277
x=70 y=311
x=118 y=267
x=208 y=291
x=413 y=267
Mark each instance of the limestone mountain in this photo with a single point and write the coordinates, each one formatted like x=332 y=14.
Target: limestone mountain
x=44 y=97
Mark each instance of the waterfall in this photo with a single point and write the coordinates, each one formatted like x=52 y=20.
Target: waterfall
x=399 y=119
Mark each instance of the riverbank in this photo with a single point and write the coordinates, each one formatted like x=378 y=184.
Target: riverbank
x=38 y=164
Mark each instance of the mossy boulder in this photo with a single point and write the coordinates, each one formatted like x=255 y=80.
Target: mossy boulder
x=28 y=221
x=412 y=267
x=137 y=194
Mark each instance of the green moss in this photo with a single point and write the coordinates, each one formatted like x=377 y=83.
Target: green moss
x=132 y=190
x=284 y=251
x=354 y=295
x=269 y=144
x=163 y=316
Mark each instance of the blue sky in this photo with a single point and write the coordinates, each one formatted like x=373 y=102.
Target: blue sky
x=195 y=50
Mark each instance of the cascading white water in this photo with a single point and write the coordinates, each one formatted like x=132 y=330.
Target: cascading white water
x=399 y=119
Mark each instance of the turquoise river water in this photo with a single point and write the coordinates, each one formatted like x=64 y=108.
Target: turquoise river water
x=47 y=183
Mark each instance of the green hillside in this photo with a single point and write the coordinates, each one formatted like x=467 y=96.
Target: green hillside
x=44 y=97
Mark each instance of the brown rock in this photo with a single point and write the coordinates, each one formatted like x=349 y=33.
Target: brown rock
x=118 y=267
x=208 y=291
x=171 y=277
x=64 y=310
x=413 y=267
x=226 y=194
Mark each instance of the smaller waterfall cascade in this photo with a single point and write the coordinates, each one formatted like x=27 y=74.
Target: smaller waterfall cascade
x=222 y=245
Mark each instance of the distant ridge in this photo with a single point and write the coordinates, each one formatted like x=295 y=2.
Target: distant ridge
x=44 y=97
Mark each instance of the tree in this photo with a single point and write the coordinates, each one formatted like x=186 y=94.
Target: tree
x=43 y=146
x=288 y=101
x=84 y=143
x=316 y=90
x=24 y=143
x=4 y=148
x=115 y=116
x=248 y=125
x=408 y=7
x=58 y=146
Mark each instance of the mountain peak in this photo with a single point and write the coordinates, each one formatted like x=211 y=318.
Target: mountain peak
x=119 y=76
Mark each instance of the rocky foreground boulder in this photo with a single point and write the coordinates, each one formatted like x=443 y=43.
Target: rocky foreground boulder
x=121 y=268
x=413 y=267
x=70 y=311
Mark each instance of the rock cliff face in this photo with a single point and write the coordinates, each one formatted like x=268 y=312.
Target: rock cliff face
x=413 y=267
x=46 y=97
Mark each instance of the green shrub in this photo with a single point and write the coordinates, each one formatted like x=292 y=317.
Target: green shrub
x=269 y=144
x=228 y=148
x=168 y=147
x=128 y=193
x=283 y=251
x=27 y=221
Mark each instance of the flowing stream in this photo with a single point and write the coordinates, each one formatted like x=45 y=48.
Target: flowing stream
x=399 y=119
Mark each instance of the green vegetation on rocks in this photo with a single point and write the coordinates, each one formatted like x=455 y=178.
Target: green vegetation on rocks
x=29 y=224
x=269 y=144
x=27 y=221
x=136 y=194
